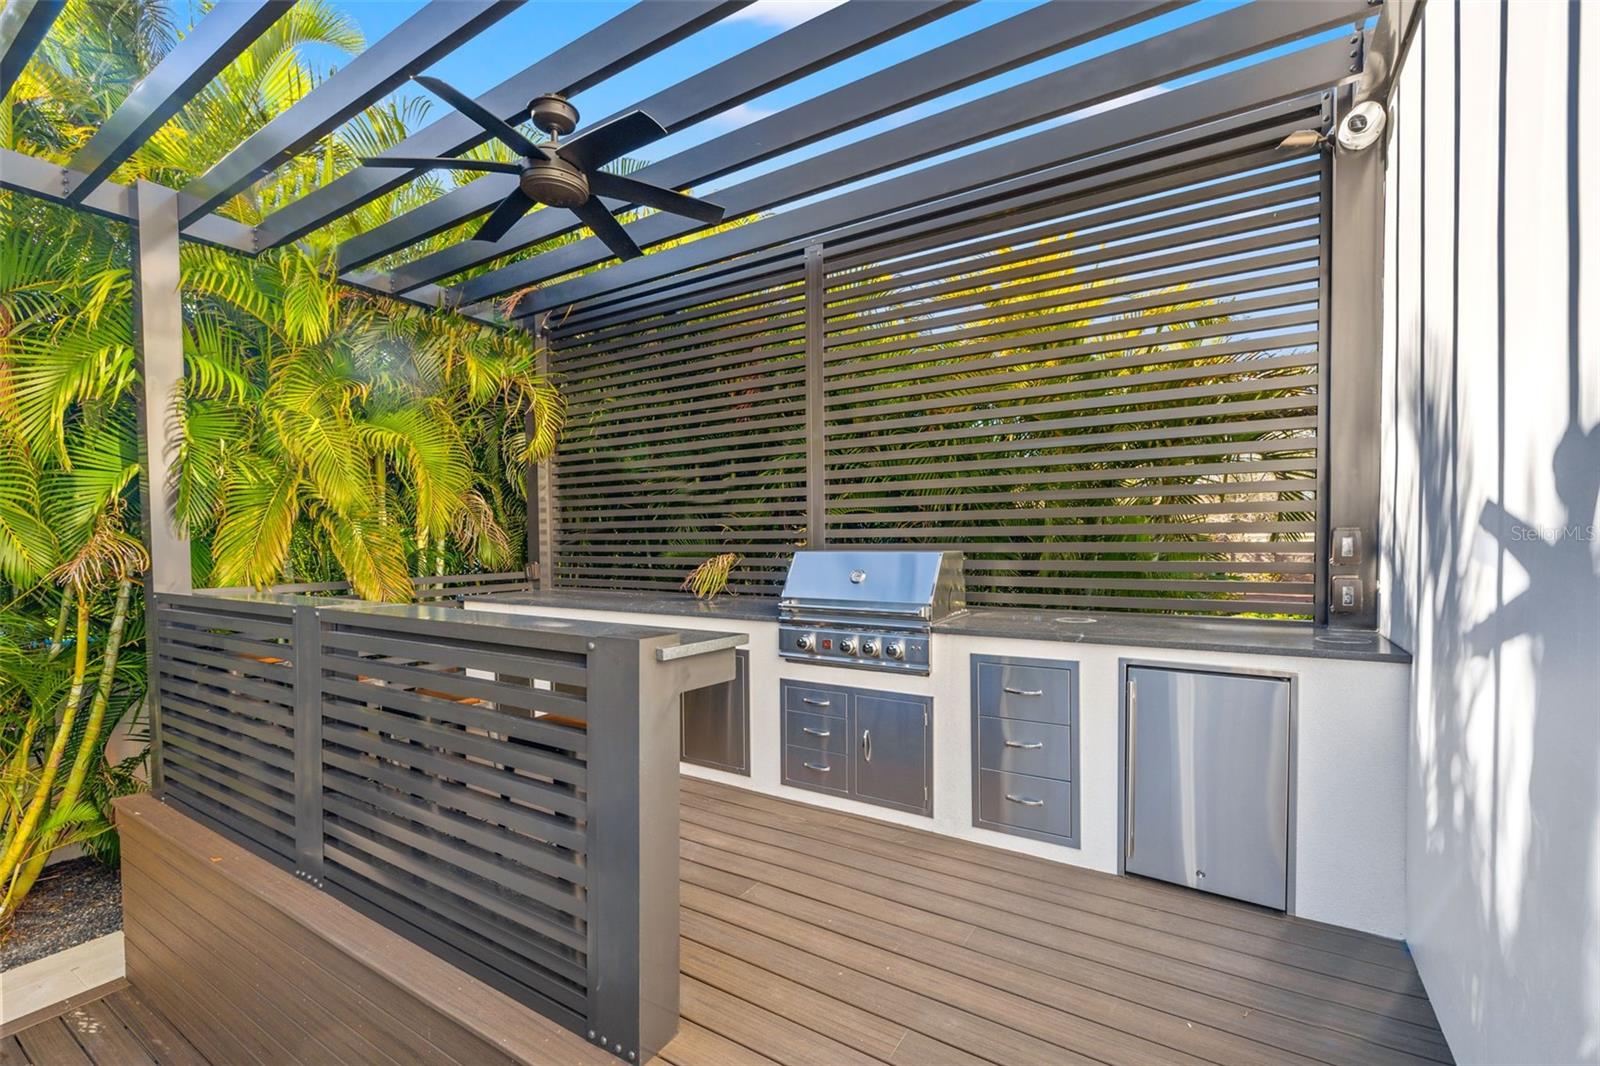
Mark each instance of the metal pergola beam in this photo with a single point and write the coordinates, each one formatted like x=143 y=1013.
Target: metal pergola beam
x=1292 y=75
x=1023 y=38
x=214 y=42
x=23 y=25
x=51 y=181
x=834 y=35
x=634 y=35
x=435 y=31
x=1140 y=66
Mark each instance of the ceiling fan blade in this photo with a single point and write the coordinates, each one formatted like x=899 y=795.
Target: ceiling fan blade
x=593 y=213
x=507 y=133
x=637 y=192
x=504 y=217
x=420 y=162
x=599 y=145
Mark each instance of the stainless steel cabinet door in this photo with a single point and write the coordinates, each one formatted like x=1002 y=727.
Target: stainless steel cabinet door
x=892 y=750
x=716 y=723
x=1208 y=781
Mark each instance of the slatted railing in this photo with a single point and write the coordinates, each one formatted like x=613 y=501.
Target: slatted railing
x=501 y=789
x=226 y=686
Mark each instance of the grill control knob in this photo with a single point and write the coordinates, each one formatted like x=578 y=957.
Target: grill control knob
x=806 y=642
x=849 y=645
x=869 y=647
x=895 y=649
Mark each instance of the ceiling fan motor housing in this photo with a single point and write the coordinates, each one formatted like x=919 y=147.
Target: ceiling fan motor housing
x=555 y=182
x=553 y=114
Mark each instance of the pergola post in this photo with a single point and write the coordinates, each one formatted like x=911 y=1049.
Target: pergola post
x=540 y=545
x=158 y=342
x=158 y=338
x=816 y=299
x=1354 y=464
x=1355 y=381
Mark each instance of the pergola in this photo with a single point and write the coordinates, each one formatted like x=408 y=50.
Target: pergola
x=1148 y=105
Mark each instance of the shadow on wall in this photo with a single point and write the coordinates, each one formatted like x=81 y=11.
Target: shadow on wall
x=1506 y=891
x=1559 y=611
x=1529 y=837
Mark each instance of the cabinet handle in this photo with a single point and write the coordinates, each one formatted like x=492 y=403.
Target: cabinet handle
x=816 y=732
x=1133 y=760
x=819 y=769
x=1026 y=801
x=866 y=744
x=1024 y=691
x=815 y=703
x=1035 y=746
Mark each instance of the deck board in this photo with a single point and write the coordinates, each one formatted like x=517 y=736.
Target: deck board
x=934 y=934
x=815 y=937
x=119 y=1030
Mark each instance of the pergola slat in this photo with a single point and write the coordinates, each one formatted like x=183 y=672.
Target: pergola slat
x=1141 y=66
x=634 y=35
x=23 y=25
x=1294 y=74
x=1020 y=39
x=436 y=30
x=214 y=42
x=828 y=38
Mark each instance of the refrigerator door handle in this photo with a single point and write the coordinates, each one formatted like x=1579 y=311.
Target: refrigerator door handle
x=1133 y=751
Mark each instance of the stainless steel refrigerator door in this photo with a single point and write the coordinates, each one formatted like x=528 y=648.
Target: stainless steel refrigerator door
x=1208 y=782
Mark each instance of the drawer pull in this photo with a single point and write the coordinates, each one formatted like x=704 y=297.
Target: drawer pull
x=819 y=769
x=1024 y=691
x=808 y=731
x=1026 y=801
x=1034 y=746
x=815 y=703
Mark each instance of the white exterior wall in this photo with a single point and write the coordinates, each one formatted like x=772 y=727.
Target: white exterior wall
x=1491 y=570
x=1350 y=754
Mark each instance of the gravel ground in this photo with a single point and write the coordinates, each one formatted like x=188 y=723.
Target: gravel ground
x=71 y=903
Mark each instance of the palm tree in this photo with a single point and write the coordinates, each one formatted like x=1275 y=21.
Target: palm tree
x=321 y=428
x=352 y=417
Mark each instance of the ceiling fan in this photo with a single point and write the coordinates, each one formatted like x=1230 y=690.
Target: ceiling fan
x=561 y=173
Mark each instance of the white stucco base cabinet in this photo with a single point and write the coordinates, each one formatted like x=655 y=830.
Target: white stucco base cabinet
x=1348 y=759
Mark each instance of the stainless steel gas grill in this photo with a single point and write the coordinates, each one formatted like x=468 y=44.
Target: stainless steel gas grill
x=868 y=609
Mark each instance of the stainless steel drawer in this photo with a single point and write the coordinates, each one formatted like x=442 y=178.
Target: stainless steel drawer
x=1036 y=805
x=817 y=732
x=821 y=770
x=1021 y=747
x=815 y=699
x=1034 y=693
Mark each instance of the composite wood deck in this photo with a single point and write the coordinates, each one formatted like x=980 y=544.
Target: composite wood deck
x=822 y=939
x=120 y=1029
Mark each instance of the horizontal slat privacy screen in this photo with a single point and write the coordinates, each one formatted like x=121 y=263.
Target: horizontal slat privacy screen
x=1107 y=398
x=685 y=438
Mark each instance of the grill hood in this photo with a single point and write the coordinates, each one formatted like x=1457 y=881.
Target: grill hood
x=922 y=585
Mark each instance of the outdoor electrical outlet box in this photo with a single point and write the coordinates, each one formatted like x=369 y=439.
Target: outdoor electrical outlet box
x=1346 y=597
x=1346 y=546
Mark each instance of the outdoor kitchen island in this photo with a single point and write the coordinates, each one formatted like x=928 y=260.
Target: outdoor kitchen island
x=1346 y=752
